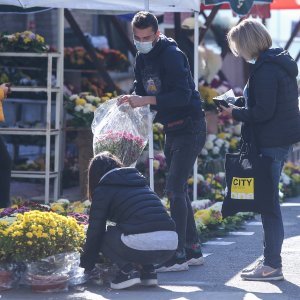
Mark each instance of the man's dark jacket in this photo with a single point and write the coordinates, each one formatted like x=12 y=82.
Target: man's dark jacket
x=272 y=104
x=164 y=72
x=123 y=197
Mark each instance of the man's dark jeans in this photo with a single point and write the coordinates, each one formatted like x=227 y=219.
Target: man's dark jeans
x=272 y=220
x=5 y=170
x=181 y=151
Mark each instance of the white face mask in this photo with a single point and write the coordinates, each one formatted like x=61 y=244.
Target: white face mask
x=143 y=47
x=252 y=61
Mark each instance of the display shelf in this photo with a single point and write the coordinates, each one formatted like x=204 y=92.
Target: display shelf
x=54 y=65
x=27 y=131
x=32 y=174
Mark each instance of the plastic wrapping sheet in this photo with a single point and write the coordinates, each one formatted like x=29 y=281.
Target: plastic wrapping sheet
x=121 y=130
x=55 y=273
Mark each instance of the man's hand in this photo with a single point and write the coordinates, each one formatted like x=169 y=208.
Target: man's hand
x=137 y=101
x=6 y=89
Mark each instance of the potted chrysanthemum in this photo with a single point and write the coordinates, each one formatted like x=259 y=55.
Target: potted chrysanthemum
x=38 y=238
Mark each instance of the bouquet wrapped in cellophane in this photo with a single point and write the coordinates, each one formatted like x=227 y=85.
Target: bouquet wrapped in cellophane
x=121 y=130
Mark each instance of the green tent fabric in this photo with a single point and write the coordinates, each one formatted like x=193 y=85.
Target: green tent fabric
x=20 y=10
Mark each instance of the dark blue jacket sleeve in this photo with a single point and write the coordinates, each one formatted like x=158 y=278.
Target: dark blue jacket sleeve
x=138 y=88
x=264 y=91
x=96 y=229
x=175 y=78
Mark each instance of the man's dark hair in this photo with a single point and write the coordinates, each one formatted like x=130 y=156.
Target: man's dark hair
x=144 y=19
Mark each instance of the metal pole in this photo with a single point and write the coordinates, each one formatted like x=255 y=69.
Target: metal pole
x=59 y=116
x=48 y=131
x=150 y=128
x=151 y=151
x=196 y=76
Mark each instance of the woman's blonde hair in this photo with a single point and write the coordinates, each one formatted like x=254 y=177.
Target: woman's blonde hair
x=248 y=39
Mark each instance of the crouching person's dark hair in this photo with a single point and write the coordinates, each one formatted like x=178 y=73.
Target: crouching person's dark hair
x=100 y=165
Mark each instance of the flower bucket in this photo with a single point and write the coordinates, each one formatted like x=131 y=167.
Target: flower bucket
x=48 y=283
x=84 y=142
x=6 y=280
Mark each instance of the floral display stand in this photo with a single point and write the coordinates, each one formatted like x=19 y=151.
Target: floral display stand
x=84 y=142
x=49 y=130
x=211 y=122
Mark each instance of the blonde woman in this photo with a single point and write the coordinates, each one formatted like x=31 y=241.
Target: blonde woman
x=269 y=108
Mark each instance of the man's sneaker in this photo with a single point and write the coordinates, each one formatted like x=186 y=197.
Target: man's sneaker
x=194 y=257
x=125 y=280
x=173 y=265
x=263 y=273
x=149 y=277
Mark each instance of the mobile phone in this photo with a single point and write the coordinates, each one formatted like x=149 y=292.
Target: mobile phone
x=220 y=102
x=8 y=84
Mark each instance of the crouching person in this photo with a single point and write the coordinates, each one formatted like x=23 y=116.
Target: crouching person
x=144 y=234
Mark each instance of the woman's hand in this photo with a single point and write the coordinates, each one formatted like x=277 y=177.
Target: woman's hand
x=228 y=110
x=6 y=89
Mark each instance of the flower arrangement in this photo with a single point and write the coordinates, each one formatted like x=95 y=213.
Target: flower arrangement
x=81 y=107
x=210 y=186
x=290 y=180
x=26 y=41
x=65 y=207
x=158 y=136
x=209 y=217
x=112 y=59
x=207 y=94
x=126 y=146
x=35 y=235
x=214 y=147
x=160 y=170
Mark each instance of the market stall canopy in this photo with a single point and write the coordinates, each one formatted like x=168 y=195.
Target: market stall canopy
x=108 y=5
x=240 y=7
x=285 y=4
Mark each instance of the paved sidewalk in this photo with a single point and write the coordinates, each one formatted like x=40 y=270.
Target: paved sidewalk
x=218 y=278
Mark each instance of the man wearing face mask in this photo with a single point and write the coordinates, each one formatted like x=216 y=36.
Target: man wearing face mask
x=163 y=79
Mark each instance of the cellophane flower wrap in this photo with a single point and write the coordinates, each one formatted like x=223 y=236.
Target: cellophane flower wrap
x=121 y=130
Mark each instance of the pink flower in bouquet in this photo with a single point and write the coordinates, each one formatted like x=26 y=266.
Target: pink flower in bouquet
x=126 y=146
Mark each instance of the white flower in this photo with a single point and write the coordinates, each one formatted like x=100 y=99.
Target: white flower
x=89 y=98
x=285 y=179
x=209 y=145
x=217 y=206
x=211 y=137
x=156 y=164
x=200 y=204
x=237 y=129
x=87 y=203
x=221 y=174
x=219 y=143
x=73 y=97
x=88 y=107
x=226 y=144
x=216 y=150
x=204 y=152
x=200 y=177
x=63 y=201
x=78 y=108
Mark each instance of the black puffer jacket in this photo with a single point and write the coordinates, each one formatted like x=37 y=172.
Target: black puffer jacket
x=165 y=73
x=272 y=105
x=123 y=197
